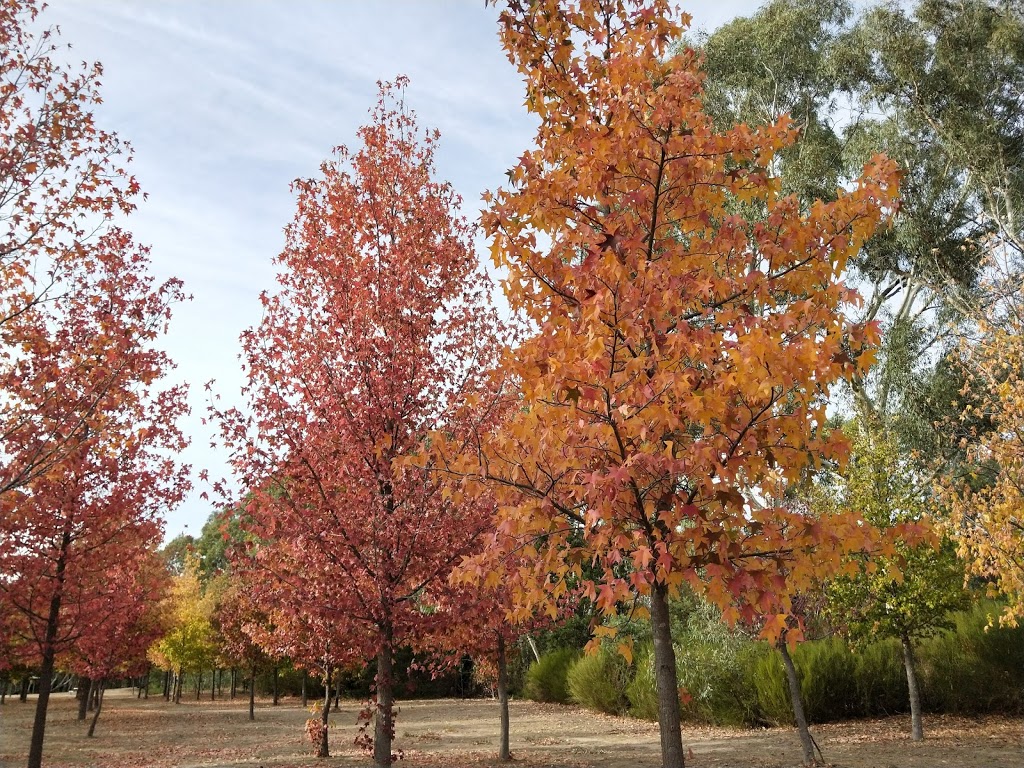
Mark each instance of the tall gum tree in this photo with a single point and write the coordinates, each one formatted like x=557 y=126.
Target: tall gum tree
x=683 y=356
x=380 y=326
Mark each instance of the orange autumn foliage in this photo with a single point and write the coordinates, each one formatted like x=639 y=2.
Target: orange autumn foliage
x=684 y=353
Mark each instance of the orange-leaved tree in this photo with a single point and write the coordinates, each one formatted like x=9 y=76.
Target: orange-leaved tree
x=683 y=354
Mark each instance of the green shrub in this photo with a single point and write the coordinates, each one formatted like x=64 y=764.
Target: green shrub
x=974 y=668
x=827 y=671
x=880 y=679
x=598 y=681
x=768 y=681
x=642 y=690
x=714 y=673
x=546 y=680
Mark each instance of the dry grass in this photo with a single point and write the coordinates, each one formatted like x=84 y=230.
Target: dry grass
x=154 y=734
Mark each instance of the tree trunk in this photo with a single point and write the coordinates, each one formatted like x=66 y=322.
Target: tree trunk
x=533 y=647
x=167 y=685
x=179 y=682
x=384 y=727
x=213 y=684
x=503 y=750
x=199 y=682
x=3 y=691
x=23 y=692
x=666 y=681
x=277 y=694
x=220 y=683
x=796 y=699
x=323 y=750
x=916 y=728
x=337 y=692
x=234 y=683
x=94 y=695
x=252 y=693
x=35 y=750
x=82 y=694
x=96 y=715
x=305 y=694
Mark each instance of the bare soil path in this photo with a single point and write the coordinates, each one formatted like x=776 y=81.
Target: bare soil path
x=155 y=734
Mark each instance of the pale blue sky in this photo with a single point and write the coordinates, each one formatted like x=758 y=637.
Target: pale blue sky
x=227 y=102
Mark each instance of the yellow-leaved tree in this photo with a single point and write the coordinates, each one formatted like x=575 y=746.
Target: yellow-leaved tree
x=189 y=643
x=987 y=508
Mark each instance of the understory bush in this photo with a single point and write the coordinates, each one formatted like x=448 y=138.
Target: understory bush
x=641 y=690
x=975 y=668
x=598 y=681
x=546 y=680
x=726 y=677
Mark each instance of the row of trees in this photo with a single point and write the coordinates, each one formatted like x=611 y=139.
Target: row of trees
x=689 y=298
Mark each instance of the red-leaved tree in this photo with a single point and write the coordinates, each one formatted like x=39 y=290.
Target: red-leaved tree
x=65 y=529
x=379 y=329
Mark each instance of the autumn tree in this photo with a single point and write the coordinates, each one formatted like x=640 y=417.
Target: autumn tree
x=63 y=178
x=379 y=329
x=987 y=498
x=683 y=355
x=130 y=623
x=86 y=424
x=189 y=642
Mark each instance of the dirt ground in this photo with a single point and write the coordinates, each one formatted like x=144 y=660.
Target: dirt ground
x=155 y=734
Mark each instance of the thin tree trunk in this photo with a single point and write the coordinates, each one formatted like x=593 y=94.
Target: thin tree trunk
x=167 y=685
x=213 y=685
x=337 y=692
x=84 y=689
x=220 y=683
x=383 y=727
x=94 y=695
x=277 y=694
x=796 y=699
x=3 y=692
x=252 y=693
x=199 y=682
x=305 y=694
x=96 y=714
x=23 y=693
x=503 y=750
x=35 y=751
x=179 y=683
x=234 y=683
x=323 y=750
x=666 y=680
x=916 y=727
x=533 y=647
